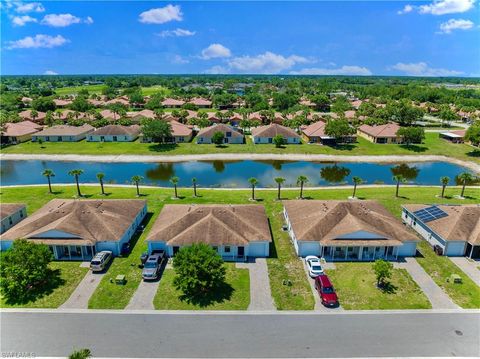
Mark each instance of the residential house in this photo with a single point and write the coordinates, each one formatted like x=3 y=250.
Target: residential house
x=453 y=136
x=96 y=103
x=110 y=115
x=172 y=103
x=123 y=100
x=63 y=133
x=454 y=228
x=265 y=134
x=62 y=103
x=200 y=102
x=315 y=133
x=11 y=214
x=236 y=232
x=77 y=229
x=347 y=230
x=18 y=132
x=137 y=116
x=230 y=134
x=114 y=133
x=380 y=133
x=180 y=133
x=306 y=102
x=27 y=115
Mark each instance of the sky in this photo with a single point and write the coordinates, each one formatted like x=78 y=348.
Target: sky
x=411 y=38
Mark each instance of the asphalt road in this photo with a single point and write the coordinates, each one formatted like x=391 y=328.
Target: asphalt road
x=242 y=335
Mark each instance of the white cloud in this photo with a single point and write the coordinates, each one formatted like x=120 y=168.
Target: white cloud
x=455 y=24
x=422 y=69
x=38 y=41
x=50 y=72
x=267 y=63
x=441 y=7
x=180 y=60
x=88 y=20
x=406 y=10
x=177 y=32
x=215 y=51
x=161 y=15
x=60 y=20
x=29 y=7
x=22 y=20
x=344 y=70
x=217 y=70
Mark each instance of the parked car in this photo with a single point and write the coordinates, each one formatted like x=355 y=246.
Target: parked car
x=100 y=261
x=314 y=266
x=326 y=291
x=152 y=266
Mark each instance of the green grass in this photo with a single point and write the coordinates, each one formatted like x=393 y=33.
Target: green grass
x=355 y=284
x=283 y=264
x=169 y=298
x=70 y=275
x=466 y=294
x=432 y=146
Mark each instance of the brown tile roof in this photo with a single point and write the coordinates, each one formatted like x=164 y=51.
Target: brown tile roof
x=27 y=114
x=316 y=129
x=387 y=130
x=172 y=102
x=179 y=129
x=60 y=102
x=461 y=224
x=330 y=223
x=200 y=102
x=183 y=224
x=109 y=115
x=209 y=131
x=144 y=113
x=117 y=130
x=66 y=130
x=85 y=222
x=350 y=114
x=119 y=100
x=22 y=128
x=273 y=130
x=7 y=209
x=96 y=103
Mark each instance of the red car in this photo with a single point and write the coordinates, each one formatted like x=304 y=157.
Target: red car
x=325 y=289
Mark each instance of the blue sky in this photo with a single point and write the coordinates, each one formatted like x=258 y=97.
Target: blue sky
x=427 y=38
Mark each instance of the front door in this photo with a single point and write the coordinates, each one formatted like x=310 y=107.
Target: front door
x=175 y=250
x=241 y=251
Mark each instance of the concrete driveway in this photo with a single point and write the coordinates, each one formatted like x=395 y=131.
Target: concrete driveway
x=260 y=294
x=143 y=297
x=469 y=267
x=318 y=302
x=81 y=295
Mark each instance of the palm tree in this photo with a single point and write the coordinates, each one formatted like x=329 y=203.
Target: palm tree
x=444 y=181
x=301 y=180
x=194 y=182
x=174 y=180
x=76 y=173
x=100 y=177
x=137 y=179
x=464 y=178
x=280 y=181
x=253 y=182
x=49 y=174
x=356 y=181
x=398 y=179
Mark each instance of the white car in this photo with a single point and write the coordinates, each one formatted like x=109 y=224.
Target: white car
x=314 y=266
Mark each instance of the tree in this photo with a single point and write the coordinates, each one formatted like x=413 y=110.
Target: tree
x=49 y=174
x=43 y=104
x=218 y=138
x=403 y=112
x=356 y=181
x=339 y=129
x=444 y=181
x=199 y=271
x=322 y=102
x=279 y=141
x=280 y=181
x=253 y=182
x=23 y=269
x=156 y=130
x=301 y=180
x=136 y=180
x=76 y=173
x=473 y=134
x=194 y=182
x=398 y=179
x=465 y=178
x=340 y=105
x=100 y=177
x=174 y=180
x=411 y=134
x=80 y=354
x=383 y=271
x=447 y=115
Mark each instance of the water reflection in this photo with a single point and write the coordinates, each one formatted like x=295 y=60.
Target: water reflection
x=410 y=173
x=162 y=172
x=334 y=174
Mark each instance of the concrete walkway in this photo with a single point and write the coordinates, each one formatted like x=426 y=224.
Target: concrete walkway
x=437 y=297
x=81 y=295
x=260 y=294
x=470 y=268
x=143 y=297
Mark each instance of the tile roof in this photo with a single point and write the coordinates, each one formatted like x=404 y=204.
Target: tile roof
x=117 y=130
x=7 y=209
x=273 y=130
x=66 y=130
x=316 y=129
x=22 y=128
x=387 y=130
x=209 y=131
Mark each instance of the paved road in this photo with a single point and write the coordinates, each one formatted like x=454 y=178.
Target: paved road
x=127 y=334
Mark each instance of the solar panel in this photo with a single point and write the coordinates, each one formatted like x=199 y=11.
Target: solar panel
x=429 y=214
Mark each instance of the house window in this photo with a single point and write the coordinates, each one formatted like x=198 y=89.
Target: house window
x=270 y=140
x=21 y=214
x=228 y=134
x=59 y=138
x=10 y=220
x=215 y=248
x=226 y=249
x=47 y=138
x=115 y=138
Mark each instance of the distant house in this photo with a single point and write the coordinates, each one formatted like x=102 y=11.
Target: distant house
x=96 y=103
x=315 y=133
x=453 y=136
x=380 y=133
x=26 y=100
x=38 y=118
x=307 y=102
x=454 y=228
x=62 y=103
x=230 y=134
x=119 y=100
x=265 y=134
x=180 y=133
x=77 y=229
x=63 y=133
x=347 y=230
x=201 y=102
x=19 y=131
x=137 y=116
x=236 y=232
x=172 y=103
x=11 y=214
x=114 y=133
x=110 y=115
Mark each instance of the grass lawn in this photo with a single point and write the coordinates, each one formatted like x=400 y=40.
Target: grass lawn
x=67 y=276
x=236 y=295
x=355 y=284
x=466 y=294
x=432 y=146
x=71 y=90
x=283 y=264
